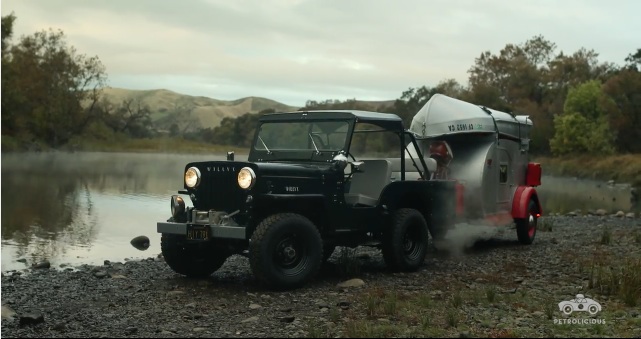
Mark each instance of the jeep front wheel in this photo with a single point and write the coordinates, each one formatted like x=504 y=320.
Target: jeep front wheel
x=194 y=260
x=285 y=251
x=405 y=241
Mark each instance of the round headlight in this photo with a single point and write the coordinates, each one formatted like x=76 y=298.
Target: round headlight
x=177 y=206
x=246 y=178
x=192 y=177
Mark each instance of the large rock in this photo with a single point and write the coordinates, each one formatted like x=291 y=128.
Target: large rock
x=31 y=319
x=7 y=313
x=620 y=214
x=351 y=283
x=601 y=212
x=140 y=242
x=42 y=265
x=630 y=215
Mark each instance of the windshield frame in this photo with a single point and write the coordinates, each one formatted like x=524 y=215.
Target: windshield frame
x=310 y=155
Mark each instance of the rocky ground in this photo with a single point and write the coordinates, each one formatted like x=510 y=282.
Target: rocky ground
x=492 y=287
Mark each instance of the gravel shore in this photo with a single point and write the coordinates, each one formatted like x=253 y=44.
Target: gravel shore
x=474 y=286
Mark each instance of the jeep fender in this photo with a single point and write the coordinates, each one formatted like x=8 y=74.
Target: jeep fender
x=521 y=200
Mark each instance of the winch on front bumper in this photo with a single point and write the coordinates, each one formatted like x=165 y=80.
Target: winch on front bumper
x=205 y=225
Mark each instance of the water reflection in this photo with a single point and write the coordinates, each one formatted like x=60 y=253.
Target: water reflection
x=46 y=205
x=562 y=195
x=86 y=207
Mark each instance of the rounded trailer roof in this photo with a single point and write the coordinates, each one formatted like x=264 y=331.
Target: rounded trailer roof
x=443 y=115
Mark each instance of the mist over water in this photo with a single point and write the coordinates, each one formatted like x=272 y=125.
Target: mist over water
x=86 y=207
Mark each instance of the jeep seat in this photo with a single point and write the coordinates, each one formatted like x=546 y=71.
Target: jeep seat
x=411 y=173
x=366 y=186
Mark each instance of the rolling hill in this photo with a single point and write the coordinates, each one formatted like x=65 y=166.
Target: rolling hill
x=194 y=112
x=206 y=111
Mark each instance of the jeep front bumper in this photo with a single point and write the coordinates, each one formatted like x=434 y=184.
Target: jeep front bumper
x=205 y=225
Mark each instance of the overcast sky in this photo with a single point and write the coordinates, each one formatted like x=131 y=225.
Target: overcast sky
x=295 y=50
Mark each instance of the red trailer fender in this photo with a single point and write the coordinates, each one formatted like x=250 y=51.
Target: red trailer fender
x=522 y=198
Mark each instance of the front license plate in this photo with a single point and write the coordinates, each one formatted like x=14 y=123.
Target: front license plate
x=196 y=232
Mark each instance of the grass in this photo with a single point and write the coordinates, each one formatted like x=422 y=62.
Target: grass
x=315 y=330
x=620 y=279
x=545 y=225
x=452 y=318
x=457 y=300
x=606 y=236
x=490 y=293
x=481 y=302
x=622 y=168
x=334 y=314
x=348 y=265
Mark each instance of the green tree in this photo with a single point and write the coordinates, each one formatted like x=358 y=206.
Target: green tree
x=584 y=126
x=7 y=30
x=50 y=91
x=633 y=60
x=624 y=109
x=531 y=79
x=131 y=117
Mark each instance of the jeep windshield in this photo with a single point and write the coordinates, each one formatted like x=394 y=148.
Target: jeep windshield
x=301 y=140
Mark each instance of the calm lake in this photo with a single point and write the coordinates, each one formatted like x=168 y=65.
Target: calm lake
x=84 y=208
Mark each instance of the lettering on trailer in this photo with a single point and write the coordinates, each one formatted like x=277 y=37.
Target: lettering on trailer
x=464 y=127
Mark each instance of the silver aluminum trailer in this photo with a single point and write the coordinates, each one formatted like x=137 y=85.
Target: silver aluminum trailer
x=488 y=156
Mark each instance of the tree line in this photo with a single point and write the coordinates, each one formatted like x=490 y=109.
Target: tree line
x=51 y=95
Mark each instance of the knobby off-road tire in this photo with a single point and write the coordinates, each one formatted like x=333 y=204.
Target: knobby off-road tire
x=194 y=260
x=526 y=227
x=405 y=241
x=285 y=251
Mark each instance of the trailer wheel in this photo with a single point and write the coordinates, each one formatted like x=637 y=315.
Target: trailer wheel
x=405 y=241
x=285 y=251
x=194 y=260
x=526 y=227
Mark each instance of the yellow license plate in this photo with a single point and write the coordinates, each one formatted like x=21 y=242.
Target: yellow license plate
x=197 y=232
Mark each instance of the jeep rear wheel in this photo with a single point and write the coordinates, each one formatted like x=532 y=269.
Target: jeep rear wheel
x=405 y=241
x=194 y=260
x=526 y=227
x=285 y=251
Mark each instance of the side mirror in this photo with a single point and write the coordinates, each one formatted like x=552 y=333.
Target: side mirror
x=356 y=166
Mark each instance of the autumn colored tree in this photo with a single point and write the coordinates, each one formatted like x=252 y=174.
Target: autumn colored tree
x=532 y=79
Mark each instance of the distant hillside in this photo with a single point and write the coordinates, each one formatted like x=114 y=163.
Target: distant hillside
x=165 y=105
x=375 y=105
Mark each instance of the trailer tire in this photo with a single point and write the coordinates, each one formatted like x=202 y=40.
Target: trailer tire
x=405 y=241
x=285 y=251
x=194 y=260
x=526 y=227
